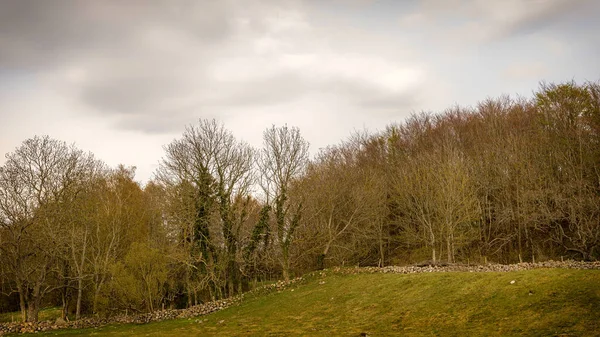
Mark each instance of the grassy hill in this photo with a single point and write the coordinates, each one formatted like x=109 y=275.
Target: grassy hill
x=541 y=302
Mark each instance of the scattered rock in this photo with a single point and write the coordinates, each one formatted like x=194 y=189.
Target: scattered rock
x=512 y=282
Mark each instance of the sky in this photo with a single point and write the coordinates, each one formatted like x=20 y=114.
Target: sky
x=123 y=78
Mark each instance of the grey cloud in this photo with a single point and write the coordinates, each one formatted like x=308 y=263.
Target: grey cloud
x=157 y=90
x=38 y=33
x=126 y=77
x=137 y=108
x=491 y=21
x=549 y=14
x=132 y=95
x=288 y=87
x=372 y=98
x=134 y=101
x=137 y=98
x=159 y=123
x=34 y=32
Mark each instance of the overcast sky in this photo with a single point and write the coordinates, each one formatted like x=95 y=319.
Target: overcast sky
x=123 y=78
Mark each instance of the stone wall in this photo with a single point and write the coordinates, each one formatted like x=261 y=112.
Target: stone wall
x=429 y=268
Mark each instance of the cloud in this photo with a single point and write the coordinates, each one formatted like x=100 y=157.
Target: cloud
x=480 y=21
x=154 y=64
x=35 y=33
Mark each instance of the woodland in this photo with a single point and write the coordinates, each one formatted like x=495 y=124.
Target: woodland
x=508 y=180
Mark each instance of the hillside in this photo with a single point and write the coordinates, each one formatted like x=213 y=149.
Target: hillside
x=539 y=302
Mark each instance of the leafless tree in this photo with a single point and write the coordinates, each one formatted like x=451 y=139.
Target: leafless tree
x=37 y=181
x=283 y=158
x=219 y=168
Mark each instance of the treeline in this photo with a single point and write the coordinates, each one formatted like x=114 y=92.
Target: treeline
x=506 y=181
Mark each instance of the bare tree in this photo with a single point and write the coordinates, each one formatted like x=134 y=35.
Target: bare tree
x=338 y=199
x=37 y=180
x=219 y=168
x=283 y=158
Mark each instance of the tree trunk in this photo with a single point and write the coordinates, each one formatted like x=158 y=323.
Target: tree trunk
x=381 y=252
x=65 y=305
x=449 y=249
x=32 y=313
x=33 y=309
x=96 y=296
x=233 y=277
x=22 y=304
x=79 y=296
x=321 y=262
x=33 y=303
x=98 y=282
x=80 y=271
x=188 y=286
x=285 y=263
x=432 y=240
x=321 y=257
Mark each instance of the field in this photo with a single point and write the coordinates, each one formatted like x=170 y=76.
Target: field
x=45 y=314
x=541 y=302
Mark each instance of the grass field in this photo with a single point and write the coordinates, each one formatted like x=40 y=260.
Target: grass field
x=542 y=302
x=45 y=314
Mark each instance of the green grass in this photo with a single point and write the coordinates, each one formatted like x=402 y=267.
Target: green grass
x=562 y=302
x=44 y=315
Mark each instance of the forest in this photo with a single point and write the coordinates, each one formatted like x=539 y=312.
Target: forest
x=508 y=180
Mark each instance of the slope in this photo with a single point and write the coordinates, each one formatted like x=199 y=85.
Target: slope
x=539 y=302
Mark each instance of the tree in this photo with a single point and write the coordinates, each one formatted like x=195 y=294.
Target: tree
x=283 y=158
x=434 y=195
x=569 y=115
x=340 y=200
x=217 y=168
x=37 y=181
x=117 y=215
x=138 y=280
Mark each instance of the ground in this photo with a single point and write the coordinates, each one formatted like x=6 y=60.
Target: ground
x=541 y=302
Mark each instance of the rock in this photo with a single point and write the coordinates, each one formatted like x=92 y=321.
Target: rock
x=60 y=321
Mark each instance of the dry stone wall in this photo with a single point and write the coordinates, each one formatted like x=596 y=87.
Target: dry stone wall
x=430 y=268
